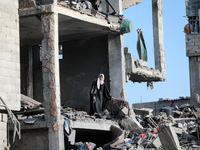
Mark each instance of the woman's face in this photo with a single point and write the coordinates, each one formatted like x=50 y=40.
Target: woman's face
x=101 y=78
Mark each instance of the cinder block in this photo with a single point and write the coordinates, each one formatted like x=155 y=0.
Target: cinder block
x=6 y=88
x=5 y=118
x=12 y=96
x=6 y=30
x=6 y=48
x=3 y=126
x=195 y=47
x=6 y=72
x=14 y=89
x=2 y=63
x=14 y=33
x=15 y=73
x=10 y=64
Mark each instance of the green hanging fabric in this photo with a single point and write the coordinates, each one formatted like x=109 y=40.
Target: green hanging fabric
x=141 y=47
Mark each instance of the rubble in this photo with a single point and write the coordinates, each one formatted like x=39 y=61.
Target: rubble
x=131 y=129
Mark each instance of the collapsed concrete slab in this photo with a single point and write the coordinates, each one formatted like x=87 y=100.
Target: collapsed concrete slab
x=168 y=137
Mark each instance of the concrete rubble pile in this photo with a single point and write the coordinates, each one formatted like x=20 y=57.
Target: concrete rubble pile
x=30 y=111
x=145 y=131
x=131 y=129
x=94 y=8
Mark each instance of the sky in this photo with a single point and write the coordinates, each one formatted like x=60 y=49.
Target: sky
x=177 y=72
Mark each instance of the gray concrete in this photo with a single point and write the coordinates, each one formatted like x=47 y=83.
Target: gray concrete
x=156 y=106
x=138 y=71
x=9 y=58
x=30 y=72
x=3 y=131
x=117 y=66
x=9 y=63
x=31 y=140
x=128 y=3
x=168 y=137
x=51 y=81
x=193 y=52
x=159 y=52
x=78 y=25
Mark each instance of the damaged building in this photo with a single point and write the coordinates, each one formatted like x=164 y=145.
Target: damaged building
x=51 y=51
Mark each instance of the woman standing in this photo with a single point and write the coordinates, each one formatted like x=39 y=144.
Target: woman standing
x=99 y=95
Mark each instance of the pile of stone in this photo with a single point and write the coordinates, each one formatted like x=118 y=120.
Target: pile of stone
x=145 y=131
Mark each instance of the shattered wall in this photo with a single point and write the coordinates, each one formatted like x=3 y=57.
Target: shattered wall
x=82 y=62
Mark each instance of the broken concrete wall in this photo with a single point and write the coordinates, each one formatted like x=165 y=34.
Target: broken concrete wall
x=82 y=62
x=26 y=4
x=159 y=52
x=31 y=140
x=156 y=106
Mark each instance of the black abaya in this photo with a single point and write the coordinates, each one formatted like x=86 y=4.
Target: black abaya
x=102 y=95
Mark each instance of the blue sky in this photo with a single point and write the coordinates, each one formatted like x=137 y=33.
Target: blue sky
x=177 y=76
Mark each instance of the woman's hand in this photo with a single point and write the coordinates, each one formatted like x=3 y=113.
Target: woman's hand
x=94 y=99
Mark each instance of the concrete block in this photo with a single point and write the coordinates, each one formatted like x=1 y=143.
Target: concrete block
x=6 y=72
x=6 y=30
x=197 y=43
x=168 y=137
x=123 y=112
x=3 y=126
x=195 y=47
x=15 y=73
x=156 y=143
x=14 y=33
x=2 y=63
x=14 y=88
x=5 y=118
x=10 y=65
x=72 y=137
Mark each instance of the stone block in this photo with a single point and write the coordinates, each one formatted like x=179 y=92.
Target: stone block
x=10 y=65
x=4 y=118
x=2 y=63
x=3 y=126
x=124 y=112
x=168 y=137
x=6 y=72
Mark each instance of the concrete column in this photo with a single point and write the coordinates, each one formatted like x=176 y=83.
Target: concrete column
x=159 y=52
x=30 y=72
x=51 y=83
x=194 y=64
x=117 y=66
